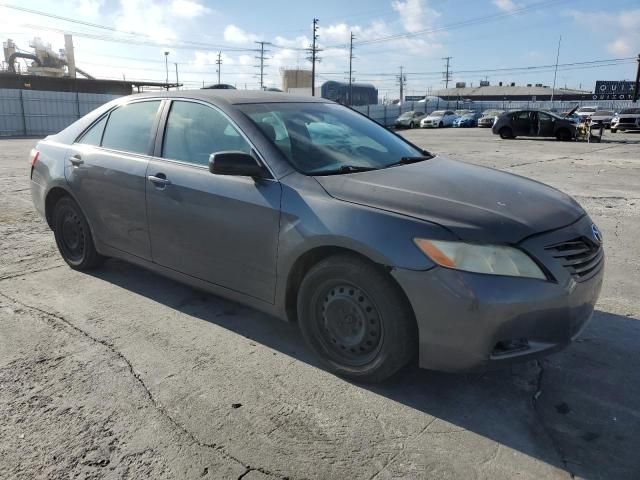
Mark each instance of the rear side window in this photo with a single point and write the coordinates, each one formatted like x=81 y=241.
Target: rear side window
x=195 y=131
x=130 y=127
x=93 y=136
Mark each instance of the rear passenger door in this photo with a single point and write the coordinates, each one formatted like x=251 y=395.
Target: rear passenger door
x=522 y=124
x=106 y=170
x=218 y=228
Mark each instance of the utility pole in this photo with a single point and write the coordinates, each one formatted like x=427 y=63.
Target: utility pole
x=314 y=51
x=262 y=65
x=351 y=70
x=636 y=88
x=177 y=79
x=555 y=72
x=166 y=66
x=219 y=64
x=447 y=73
x=402 y=80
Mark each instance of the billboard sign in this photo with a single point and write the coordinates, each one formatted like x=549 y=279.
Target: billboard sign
x=613 y=90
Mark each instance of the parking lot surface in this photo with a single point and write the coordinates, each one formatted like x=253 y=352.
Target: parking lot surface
x=124 y=374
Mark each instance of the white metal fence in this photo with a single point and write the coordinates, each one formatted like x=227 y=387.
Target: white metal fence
x=38 y=113
x=387 y=114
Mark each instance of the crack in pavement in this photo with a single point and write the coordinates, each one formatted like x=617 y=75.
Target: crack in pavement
x=547 y=431
x=28 y=272
x=404 y=447
x=564 y=157
x=220 y=449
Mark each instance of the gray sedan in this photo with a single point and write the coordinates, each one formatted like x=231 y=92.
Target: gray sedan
x=315 y=214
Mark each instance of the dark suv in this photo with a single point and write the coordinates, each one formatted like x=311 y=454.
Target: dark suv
x=533 y=123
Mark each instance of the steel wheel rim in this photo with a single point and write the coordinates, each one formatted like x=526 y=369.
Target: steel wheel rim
x=348 y=324
x=72 y=236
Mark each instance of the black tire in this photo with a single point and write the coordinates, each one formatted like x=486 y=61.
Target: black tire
x=614 y=130
x=563 y=135
x=73 y=236
x=506 y=133
x=440 y=125
x=355 y=319
x=411 y=125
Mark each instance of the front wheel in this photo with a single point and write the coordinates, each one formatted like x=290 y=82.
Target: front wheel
x=614 y=130
x=440 y=125
x=355 y=319
x=411 y=125
x=73 y=236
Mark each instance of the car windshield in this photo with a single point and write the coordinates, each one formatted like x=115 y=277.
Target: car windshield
x=437 y=113
x=491 y=113
x=605 y=113
x=586 y=109
x=469 y=115
x=405 y=115
x=630 y=110
x=325 y=139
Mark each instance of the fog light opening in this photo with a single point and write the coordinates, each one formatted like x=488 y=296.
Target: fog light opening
x=506 y=347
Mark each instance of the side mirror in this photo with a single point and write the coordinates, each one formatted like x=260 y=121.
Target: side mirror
x=235 y=163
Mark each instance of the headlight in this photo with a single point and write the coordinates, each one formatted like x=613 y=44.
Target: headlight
x=491 y=259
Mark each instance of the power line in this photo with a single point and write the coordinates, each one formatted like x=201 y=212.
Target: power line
x=461 y=24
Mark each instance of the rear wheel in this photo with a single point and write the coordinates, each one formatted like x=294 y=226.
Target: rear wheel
x=505 y=133
x=73 y=236
x=411 y=125
x=354 y=318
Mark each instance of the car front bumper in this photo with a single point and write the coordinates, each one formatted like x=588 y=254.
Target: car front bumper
x=470 y=321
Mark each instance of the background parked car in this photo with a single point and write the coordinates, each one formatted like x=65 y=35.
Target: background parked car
x=627 y=119
x=488 y=117
x=439 y=118
x=534 y=123
x=409 y=119
x=467 y=120
x=584 y=112
x=602 y=116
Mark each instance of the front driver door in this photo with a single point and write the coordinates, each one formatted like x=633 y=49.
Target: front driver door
x=546 y=124
x=222 y=229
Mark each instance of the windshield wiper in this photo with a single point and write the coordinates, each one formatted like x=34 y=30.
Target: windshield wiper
x=408 y=160
x=346 y=169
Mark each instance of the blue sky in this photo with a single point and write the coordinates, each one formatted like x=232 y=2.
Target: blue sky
x=479 y=35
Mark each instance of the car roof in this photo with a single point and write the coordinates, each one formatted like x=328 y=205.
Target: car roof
x=231 y=97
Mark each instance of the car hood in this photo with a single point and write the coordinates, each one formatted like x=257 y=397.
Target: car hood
x=477 y=204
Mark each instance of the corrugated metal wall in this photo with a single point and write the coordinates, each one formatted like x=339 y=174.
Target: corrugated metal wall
x=40 y=113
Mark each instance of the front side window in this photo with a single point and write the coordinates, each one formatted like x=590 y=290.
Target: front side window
x=194 y=131
x=324 y=138
x=130 y=127
x=93 y=136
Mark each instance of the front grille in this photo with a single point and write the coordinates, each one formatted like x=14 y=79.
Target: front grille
x=581 y=256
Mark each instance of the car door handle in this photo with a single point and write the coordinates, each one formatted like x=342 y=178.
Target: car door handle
x=159 y=180
x=76 y=160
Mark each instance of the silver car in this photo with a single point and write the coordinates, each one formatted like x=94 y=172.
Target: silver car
x=315 y=214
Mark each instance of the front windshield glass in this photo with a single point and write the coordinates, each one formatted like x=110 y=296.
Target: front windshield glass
x=605 y=113
x=630 y=110
x=587 y=110
x=324 y=138
x=437 y=113
x=406 y=115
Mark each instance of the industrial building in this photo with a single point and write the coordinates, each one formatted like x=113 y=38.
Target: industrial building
x=57 y=71
x=510 y=92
